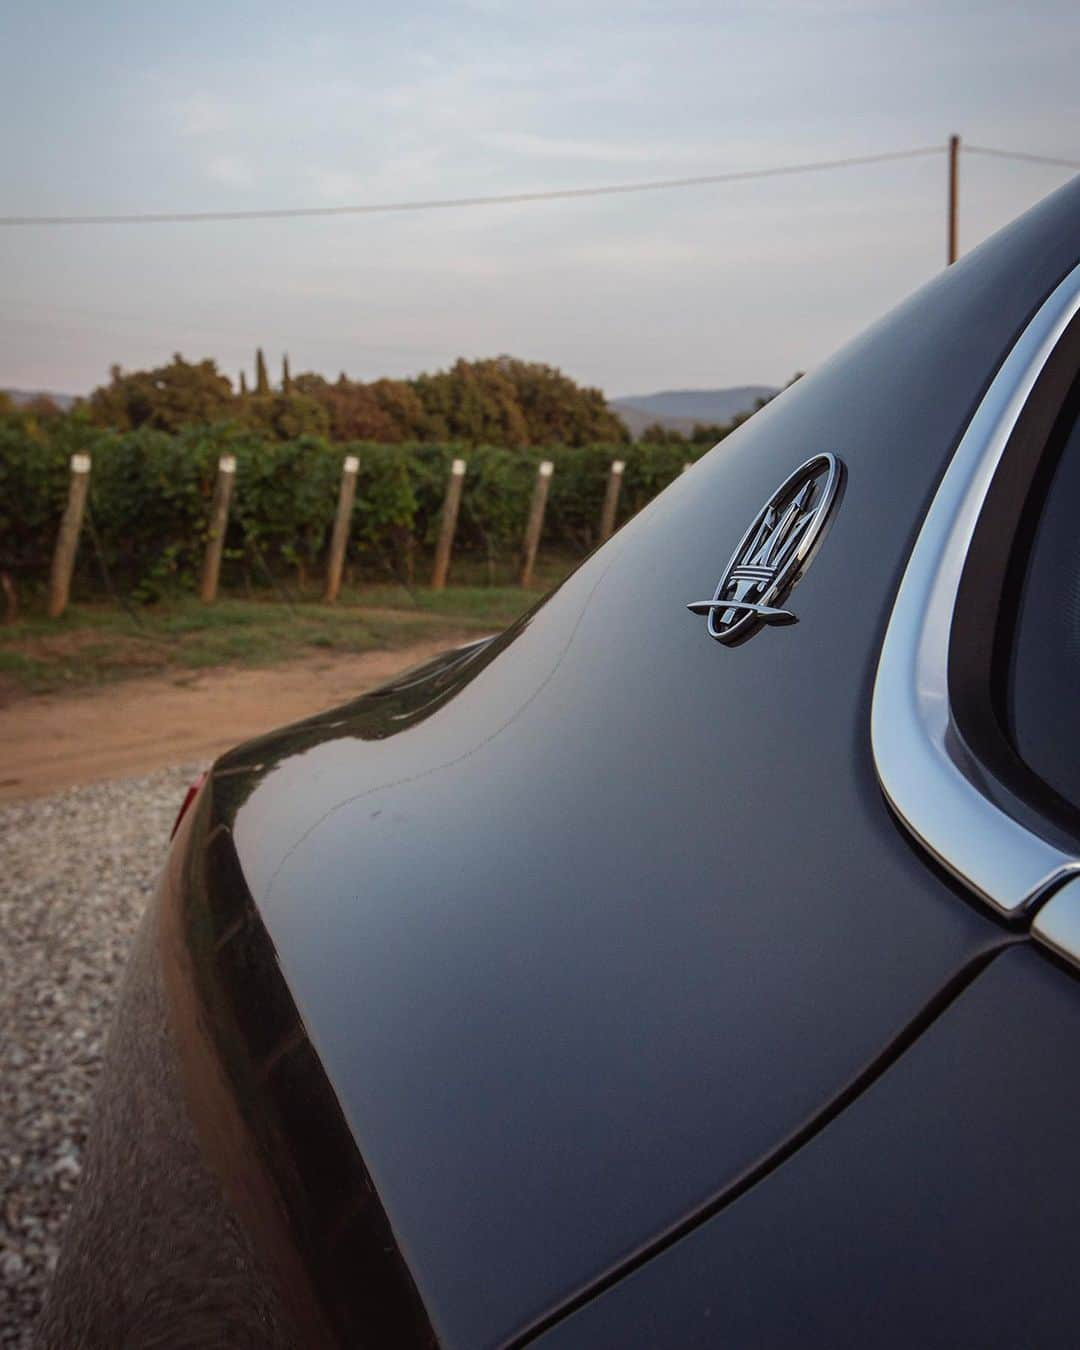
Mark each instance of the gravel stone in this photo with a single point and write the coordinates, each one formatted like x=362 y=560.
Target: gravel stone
x=76 y=872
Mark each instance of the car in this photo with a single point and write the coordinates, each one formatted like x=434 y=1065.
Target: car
x=692 y=964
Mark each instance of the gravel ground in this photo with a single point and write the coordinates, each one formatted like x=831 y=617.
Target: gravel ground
x=76 y=871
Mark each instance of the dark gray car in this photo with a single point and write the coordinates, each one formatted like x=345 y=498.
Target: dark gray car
x=649 y=976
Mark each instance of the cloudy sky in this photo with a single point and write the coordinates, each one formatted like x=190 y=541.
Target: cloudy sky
x=124 y=106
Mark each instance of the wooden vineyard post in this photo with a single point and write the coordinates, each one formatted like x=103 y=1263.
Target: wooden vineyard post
x=535 y=525
x=340 y=538
x=219 y=520
x=611 y=499
x=67 y=539
x=11 y=596
x=451 y=503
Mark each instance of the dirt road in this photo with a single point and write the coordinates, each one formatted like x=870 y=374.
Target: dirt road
x=59 y=740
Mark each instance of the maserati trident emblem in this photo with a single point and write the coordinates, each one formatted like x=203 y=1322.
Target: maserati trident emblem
x=773 y=553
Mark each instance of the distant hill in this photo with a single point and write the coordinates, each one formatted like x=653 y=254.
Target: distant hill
x=21 y=396
x=680 y=409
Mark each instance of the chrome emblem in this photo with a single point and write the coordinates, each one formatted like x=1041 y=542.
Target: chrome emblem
x=773 y=553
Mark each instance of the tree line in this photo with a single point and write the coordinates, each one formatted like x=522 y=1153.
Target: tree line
x=499 y=401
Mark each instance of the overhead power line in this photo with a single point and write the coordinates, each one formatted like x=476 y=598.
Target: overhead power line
x=512 y=198
x=1022 y=154
x=452 y=203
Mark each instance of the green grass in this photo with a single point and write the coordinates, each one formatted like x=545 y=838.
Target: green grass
x=93 y=644
x=97 y=643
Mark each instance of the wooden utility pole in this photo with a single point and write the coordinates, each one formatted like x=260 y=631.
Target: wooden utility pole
x=954 y=169
x=340 y=537
x=67 y=539
x=219 y=520
x=449 y=524
x=535 y=525
x=611 y=499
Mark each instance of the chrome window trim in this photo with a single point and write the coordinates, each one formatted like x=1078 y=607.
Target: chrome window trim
x=939 y=793
x=1058 y=922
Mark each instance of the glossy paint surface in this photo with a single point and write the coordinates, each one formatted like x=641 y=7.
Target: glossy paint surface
x=153 y=1252
x=586 y=925
x=939 y=1210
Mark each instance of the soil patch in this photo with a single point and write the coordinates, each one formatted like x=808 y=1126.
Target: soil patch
x=58 y=740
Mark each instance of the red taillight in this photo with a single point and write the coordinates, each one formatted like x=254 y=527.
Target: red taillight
x=189 y=797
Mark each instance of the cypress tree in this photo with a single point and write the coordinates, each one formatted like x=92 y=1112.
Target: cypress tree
x=243 y=385
x=286 y=378
x=262 y=384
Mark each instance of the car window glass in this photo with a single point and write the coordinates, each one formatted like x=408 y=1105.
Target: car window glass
x=1043 y=695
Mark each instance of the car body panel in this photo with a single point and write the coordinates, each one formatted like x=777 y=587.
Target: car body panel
x=938 y=1210
x=587 y=924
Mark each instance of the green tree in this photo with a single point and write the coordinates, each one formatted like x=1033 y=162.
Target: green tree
x=386 y=410
x=473 y=401
x=504 y=401
x=41 y=405
x=708 y=433
x=262 y=383
x=243 y=385
x=167 y=398
x=402 y=409
x=286 y=379
x=557 y=410
x=287 y=416
x=658 y=434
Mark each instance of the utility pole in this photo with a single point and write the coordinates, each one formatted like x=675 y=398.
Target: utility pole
x=954 y=164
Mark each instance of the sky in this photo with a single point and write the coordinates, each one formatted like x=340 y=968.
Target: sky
x=121 y=106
